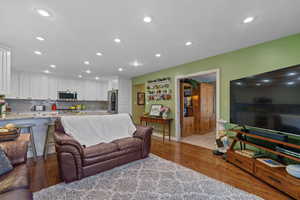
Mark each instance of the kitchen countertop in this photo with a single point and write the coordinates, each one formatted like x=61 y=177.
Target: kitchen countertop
x=44 y=115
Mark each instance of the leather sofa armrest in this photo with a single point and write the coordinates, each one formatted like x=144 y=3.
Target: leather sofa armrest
x=62 y=139
x=70 y=162
x=144 y=133
x=16 y=151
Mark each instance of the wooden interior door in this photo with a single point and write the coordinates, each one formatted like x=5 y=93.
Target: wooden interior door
x=137 y=110
x=207 y=111
x=186 y=121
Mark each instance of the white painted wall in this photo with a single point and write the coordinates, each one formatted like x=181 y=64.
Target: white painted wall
x=124 y=96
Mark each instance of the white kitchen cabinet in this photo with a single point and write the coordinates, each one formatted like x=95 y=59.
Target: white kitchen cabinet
x=113 y=83
x=28 y=85
x=39 y=86
x=90 y=90
x=5 y=70
x=25 y=85
x=14 y=86
x=102 y=90
x=52 y=87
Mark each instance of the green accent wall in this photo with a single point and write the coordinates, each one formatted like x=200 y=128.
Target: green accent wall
x=248 y=61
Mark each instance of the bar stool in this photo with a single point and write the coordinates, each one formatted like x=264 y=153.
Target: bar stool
x=49 y=139
x=28 y=127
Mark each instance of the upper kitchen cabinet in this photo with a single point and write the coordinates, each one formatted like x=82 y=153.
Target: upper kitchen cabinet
x=24 y=85
x=113 y=83
x=5 y=70
x=14 y=86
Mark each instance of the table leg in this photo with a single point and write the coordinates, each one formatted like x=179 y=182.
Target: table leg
x=164 y=133
x=32 y=144
x=169 y=131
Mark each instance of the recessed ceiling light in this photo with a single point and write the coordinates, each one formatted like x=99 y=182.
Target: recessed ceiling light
x=258 y=84
x=40 y=38
x=117 y=40
x=266 y=81
x=292 y=74
x=43 y=12
x=38 y=52
x=120 y=69
x=248 y=20
x=290 y=83
x=188 y=43
x=136 y=63
x=88 y=71
x=99 y=54
x=47 y=71
x=157 y=55
x=97 y=78
x=52 y=66
x=79 y=76
x=86 y=62
x=147 y=19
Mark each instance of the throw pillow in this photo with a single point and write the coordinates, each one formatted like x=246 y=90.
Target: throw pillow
x=5 y=165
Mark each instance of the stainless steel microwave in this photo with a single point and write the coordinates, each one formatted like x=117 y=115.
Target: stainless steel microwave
x=67 y=95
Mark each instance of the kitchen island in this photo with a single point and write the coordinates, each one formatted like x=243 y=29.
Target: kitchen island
x=41 y=119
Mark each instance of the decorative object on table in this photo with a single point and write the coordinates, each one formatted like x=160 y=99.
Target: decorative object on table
x=164 y=110
x=222 y=142
x=159 y=89
x=8 y=132
x=5 y=165
x=155 y=110
x=293 y=170
x=270 y=162
x=140 y=98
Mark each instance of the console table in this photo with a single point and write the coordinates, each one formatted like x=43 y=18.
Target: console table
x=158 y=120
x=277 y=177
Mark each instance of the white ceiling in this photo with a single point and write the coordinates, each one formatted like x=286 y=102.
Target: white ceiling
x=78 y=29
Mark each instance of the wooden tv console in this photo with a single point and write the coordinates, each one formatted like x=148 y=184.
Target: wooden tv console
x=276 y=177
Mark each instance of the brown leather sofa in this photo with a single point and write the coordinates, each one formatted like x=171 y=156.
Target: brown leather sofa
x=77 y=162
x=14 y=185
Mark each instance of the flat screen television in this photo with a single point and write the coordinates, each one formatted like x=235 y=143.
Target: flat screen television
x=269 y=101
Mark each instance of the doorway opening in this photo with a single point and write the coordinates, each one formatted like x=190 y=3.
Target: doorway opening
x=198 y=109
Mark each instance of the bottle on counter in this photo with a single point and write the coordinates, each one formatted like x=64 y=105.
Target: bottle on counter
x=3 y=110
x=53 y=107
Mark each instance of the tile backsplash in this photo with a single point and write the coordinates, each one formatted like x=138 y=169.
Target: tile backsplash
x=25 y=105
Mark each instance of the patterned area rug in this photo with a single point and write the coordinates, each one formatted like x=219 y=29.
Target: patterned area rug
x=151 y=178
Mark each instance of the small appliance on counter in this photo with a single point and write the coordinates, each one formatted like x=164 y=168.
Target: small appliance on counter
x=38 y=108
x=113 y=101
x=67 y=95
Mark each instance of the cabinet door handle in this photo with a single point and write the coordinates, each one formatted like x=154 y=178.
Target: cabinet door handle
x=237 y=160
x=274 y=179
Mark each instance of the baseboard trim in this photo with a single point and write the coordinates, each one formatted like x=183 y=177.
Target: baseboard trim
x=166 y=137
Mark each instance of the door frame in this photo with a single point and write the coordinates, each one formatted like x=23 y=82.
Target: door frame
x=177 y=98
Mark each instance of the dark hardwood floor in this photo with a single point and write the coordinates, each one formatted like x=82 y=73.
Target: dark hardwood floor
x=46 y=173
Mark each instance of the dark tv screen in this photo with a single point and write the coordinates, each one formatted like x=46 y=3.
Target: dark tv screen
x=270 y=100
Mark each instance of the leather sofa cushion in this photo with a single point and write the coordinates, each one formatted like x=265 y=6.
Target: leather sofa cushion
x=17 y=195
x=109 y=156
x=16 y=179
x=100 y=149
x=130 y=142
